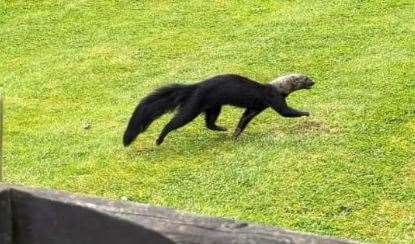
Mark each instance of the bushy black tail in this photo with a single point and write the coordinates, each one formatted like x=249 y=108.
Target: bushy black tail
x=153 y=106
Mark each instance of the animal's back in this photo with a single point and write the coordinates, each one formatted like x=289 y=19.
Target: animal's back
x=233 y=90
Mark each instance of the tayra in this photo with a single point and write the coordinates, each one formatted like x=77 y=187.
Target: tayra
x=209 y=96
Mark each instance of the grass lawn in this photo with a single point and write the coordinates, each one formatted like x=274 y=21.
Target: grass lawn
x=348 y=170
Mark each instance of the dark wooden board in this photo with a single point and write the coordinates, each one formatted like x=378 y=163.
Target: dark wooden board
x=46 y=217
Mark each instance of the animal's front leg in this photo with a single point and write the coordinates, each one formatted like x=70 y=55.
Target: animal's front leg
x=247 y=116
x=290 y=112
x=281 y=107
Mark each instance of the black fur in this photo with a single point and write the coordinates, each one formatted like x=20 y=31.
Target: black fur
x=207 y=97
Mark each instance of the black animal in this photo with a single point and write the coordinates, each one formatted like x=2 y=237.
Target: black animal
x=209 y=96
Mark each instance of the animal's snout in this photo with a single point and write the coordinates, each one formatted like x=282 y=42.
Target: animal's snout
x=310 y=83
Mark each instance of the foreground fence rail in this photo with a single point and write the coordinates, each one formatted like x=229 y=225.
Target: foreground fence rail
x=34 y=216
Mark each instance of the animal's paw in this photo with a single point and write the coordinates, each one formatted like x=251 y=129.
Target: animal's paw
x=216 y=128
x=159 y=141
x=237 y=133
x=219 y=128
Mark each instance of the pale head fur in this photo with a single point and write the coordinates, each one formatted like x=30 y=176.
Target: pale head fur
x=287 y=84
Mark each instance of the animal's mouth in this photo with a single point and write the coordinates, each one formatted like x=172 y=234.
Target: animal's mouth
x=310 y=85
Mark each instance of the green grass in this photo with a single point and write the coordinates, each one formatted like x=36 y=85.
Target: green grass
x=348 y=170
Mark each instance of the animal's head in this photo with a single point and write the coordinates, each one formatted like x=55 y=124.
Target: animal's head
x=289 y=83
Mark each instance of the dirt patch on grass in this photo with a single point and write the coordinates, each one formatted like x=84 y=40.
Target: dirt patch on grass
x=313 y=126
x=307 y=127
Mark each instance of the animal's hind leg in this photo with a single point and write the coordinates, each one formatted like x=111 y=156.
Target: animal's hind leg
x=247 y=116
x=183 y=116
x=211 y=115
